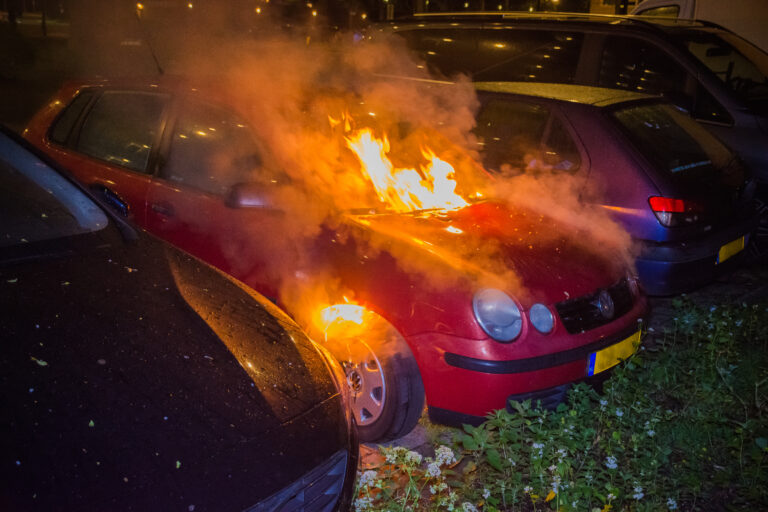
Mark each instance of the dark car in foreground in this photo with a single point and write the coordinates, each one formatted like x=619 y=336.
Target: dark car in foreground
x=418 y=302
x=135 y=377
x=682 y=195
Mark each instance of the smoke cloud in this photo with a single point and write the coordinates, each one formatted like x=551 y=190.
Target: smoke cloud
x=302 y=95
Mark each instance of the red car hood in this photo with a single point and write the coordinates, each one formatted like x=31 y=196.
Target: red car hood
x=520 y=251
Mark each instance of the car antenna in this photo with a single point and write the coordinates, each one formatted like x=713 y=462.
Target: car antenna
x=148 y=40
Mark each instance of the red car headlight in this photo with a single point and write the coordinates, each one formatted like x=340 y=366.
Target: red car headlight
x=498 y=315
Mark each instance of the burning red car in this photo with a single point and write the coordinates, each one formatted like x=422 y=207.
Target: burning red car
x=422 y=291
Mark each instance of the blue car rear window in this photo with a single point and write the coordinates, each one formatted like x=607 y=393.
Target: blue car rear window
x=671 y=140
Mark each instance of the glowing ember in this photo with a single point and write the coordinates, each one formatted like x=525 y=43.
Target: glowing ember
x=405 y=189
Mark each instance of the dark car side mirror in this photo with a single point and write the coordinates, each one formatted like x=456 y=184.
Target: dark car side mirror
x=251 y=195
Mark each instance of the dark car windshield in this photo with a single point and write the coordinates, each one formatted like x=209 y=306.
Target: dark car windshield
x=671 y=140
x=37 y=203
x=741 y=66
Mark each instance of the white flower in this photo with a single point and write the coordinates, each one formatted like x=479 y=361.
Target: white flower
x=444 y=455
x=434 y=489
x=611 y=496
x=363 y=503
x=512 y=462
x=562 y=452
x=413 y=457
x=468 y=507
x=638 y=493
x=367 y=478
x=610 y=462
x=433 y=469
x=619 y=413
x=671 y=504
x=527 y=489
x=552 y=468
x=486 y=494
x=391 y=456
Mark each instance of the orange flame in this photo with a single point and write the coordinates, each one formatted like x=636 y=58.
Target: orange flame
x=405 y=190
x=342 y=312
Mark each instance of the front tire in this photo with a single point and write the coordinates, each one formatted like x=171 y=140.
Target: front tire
x=386 y=391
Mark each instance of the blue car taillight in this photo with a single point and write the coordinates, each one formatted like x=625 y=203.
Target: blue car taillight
x=675 y=212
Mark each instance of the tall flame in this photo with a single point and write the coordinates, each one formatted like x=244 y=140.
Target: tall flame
x=405 y=189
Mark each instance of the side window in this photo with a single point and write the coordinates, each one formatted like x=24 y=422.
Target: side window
x=560 y=151
x=63 y=124
x=122 y=127
x=446 y=51
x=707 y=108
x=510 y=133
x=499 y=54
x=527 y=56
x=635 y=65
x=666 y=11
x=211 y=150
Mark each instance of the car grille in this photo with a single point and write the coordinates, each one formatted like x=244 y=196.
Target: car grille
x=316 y=491
x=583 y=313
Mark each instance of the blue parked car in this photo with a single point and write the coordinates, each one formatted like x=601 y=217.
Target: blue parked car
x=679 y=192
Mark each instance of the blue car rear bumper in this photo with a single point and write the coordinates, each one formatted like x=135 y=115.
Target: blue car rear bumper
x=670 y=268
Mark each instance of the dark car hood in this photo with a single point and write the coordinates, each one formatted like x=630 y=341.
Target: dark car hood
x=139 y=378
x=526 y=253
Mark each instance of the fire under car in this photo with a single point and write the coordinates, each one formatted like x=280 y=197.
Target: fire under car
x=465 y=304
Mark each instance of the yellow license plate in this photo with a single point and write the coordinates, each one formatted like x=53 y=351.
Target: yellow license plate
x=730 y=249
x=611 y=356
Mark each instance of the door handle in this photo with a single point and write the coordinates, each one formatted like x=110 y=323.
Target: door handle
x=164 y=209
x=112 y=198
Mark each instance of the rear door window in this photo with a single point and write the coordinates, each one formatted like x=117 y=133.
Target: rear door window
x=510 y=133
x=211 y=150
x=559 y=150
x=62 y=126
x=123 y=127
x=637 y=65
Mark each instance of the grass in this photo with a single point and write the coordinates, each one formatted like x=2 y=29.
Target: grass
x=682 y=425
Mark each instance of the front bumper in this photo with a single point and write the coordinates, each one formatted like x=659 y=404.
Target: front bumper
x=474 y=387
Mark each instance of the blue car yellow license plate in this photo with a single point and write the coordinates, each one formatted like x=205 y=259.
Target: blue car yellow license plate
x=611 y=356
x=730 y=249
